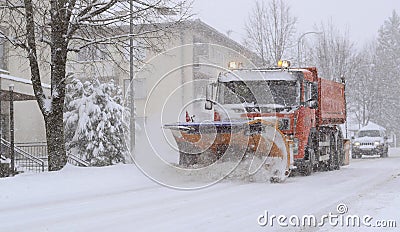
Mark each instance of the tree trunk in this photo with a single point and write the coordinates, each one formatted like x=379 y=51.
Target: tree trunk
x=55 y=140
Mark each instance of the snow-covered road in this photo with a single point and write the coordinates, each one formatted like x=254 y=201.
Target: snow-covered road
x=121 y=198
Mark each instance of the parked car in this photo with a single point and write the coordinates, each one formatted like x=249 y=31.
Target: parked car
x=370 y=140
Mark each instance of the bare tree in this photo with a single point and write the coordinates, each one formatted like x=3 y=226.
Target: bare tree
x=333 y=52
x=48 y=30
x=364 y=88
x=270 y=30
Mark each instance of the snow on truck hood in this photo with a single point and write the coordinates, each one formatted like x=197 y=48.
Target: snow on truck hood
x=256 y=75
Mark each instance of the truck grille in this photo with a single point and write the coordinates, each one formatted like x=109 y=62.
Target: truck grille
x=367 y=144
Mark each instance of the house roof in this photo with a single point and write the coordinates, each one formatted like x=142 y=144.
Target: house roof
x=372 y=126
x=201 y=26
x=23 y=90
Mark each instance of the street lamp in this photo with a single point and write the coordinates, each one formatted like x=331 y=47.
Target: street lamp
x=12 y=155
x=298 y=44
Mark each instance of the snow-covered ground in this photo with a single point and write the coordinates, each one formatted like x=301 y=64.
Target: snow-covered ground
x=121 y=198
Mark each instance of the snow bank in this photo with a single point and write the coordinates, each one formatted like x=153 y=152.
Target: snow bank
x=121 y=198
x=70 y=183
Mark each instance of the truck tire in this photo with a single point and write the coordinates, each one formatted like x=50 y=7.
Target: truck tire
x=333 y=162
x=381 y=153
x=308 y=166
x=356 y=156
x=341 y=152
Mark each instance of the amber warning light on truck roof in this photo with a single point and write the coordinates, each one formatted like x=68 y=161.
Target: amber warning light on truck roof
x=283 y=64
x=234 y=65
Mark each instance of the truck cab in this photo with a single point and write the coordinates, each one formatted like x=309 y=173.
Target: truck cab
x=305 y=108
x=369 y=141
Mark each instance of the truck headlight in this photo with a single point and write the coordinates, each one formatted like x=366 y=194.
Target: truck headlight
x=357 y=144
x=284 y=124
x=377 y=143
x=295 y=146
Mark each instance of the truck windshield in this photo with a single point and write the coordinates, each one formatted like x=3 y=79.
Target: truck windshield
x=369 y=133
x=285 y=93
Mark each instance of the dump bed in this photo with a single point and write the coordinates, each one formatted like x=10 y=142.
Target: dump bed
x=331 y=101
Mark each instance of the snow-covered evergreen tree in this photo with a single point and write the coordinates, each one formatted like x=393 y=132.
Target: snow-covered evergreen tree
x=93 y=120
x=388 y=72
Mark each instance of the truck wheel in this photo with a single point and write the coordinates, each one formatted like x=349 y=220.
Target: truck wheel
x=333 y=162
x=308 y=164
x=340 y=148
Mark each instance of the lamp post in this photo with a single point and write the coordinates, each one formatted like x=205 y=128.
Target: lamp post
x=11 y=89
x=299 y=41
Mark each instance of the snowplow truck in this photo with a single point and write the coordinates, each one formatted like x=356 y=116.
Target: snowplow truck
x=289 y=115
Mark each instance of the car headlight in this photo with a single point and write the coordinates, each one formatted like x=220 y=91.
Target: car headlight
x=377 y=143
x=357 y=144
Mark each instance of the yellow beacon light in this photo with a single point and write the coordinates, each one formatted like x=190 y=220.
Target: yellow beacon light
x=234 y=65
x=283 y=64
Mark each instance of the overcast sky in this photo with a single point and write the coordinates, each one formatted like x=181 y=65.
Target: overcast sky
x=362 y=18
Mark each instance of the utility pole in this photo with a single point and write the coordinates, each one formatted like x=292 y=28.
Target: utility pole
x=1 y=125
x=131 y=90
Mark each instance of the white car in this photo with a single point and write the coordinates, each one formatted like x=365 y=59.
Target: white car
x=370 y=142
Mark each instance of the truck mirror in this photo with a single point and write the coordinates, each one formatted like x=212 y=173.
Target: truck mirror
x=209 y=97
x=314 y=91
x=208 y=105
x=314 y=104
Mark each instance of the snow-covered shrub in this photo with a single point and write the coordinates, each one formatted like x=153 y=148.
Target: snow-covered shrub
x=93 y=120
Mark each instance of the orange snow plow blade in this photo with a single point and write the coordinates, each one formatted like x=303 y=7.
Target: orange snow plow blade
x=257 y=141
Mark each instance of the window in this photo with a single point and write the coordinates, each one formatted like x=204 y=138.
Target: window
x=105 y=79
x=2 y=53
x=201 y=50
x=139 y=87
x=308 y=93
x=95 y=52
x=139 y=50
x=270 y=92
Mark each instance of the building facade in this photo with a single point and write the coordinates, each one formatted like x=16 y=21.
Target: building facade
x=15 y=74
x=172 y=81
x=166 y=83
